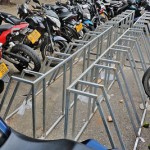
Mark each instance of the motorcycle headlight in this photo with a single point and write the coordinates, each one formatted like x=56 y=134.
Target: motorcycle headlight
x=55 y=20
x=25 y=11
x=25 y=8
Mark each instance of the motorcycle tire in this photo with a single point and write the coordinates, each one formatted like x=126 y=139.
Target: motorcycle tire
x=1 y=86
x=91 y=27
x=96 y=22
x=111 y=14
x=70 y=32
x=85 y=30
x=45 y=52
x=146 y=81
x=28 y=53
x=104 y=19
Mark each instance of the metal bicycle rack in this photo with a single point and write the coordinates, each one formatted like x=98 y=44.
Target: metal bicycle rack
x=87 y=51
x=94 y=86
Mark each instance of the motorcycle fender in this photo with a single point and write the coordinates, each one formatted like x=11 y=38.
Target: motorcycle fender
x=88 y=22
x=105 y=12
x=59 y=38
x=96 y=18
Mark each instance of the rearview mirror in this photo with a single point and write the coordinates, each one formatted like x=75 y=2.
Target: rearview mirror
x=36 y=1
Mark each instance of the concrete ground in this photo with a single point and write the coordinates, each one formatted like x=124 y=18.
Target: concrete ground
x=95 y=129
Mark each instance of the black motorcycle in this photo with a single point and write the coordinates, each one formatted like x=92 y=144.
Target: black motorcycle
x=118 y=6
x=46 y=25
x=69 y=24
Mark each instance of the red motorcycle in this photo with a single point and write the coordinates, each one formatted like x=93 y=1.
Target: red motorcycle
x=20 y=55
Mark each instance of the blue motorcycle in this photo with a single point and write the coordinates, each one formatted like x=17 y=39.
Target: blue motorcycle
x=84 y=15
x=12 y=140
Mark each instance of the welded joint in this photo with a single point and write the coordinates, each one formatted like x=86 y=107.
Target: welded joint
x=104 y=67
x=22 y=80
x=82 y=93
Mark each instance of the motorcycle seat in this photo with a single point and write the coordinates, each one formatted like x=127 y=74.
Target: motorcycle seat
x=61 y=11
x=55 y=7
x=17 y=141
x=12 y=18
x=15 y=20
x=5 y=27
x=66 y=16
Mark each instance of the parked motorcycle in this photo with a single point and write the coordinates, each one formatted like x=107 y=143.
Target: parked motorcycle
x=69 y=23
x=20 y=55
x=12 y=140
x=84 y=15
x=101 y=8
x=28 y=36
x=134 y=6
x=139 y=6
x=45 y=24
x=118 y=6
x=109 y=9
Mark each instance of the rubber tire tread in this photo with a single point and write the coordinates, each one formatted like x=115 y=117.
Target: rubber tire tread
x=44 y=43
x=73 y=31
x=145 y=83
x=1 y=86
x=31 y=53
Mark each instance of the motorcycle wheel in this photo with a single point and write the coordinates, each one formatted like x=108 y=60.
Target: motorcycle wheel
x=70 y=32
x=146 y=81
x=111 y=14
x=104 y=19
x=96 y=22
x=60 y=46
x=1 y=86
x=33 y=64
x=91 y=27
x=85 y=30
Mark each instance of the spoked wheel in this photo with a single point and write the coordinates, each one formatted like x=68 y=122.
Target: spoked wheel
x=1 y=86
x=46 y=50
x=30 y=59
x=146 y=81
x=97 y=22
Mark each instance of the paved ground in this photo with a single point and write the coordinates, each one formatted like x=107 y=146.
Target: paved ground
x=95 y=129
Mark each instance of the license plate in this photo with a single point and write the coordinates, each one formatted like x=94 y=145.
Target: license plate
x=34 y=36
x=3 y=70
x=79 y=27
x=103 y=15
